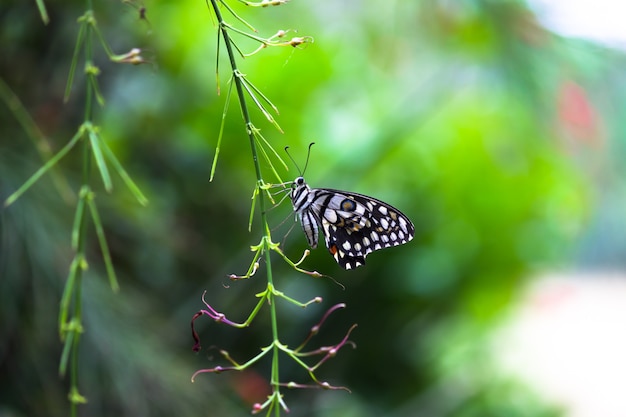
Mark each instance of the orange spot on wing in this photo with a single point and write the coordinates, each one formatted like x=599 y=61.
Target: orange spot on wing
x=333 y=249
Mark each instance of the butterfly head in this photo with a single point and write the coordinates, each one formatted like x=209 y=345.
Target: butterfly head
x=299 y=189
x=298 y=182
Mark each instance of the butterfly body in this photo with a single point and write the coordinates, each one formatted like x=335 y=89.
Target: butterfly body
x=353 y=225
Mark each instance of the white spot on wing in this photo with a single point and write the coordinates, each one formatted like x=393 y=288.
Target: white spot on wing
x=331 y=216
x=403 y=225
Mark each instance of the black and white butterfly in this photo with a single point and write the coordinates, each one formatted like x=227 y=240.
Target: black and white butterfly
x=354 y=225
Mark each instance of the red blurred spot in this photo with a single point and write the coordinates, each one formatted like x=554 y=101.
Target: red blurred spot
x=250 y=386
x=578 y=121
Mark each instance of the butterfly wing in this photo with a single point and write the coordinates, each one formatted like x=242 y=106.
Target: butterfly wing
x=355 y=225
x=310 y=226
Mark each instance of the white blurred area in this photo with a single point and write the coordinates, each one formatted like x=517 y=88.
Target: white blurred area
x=567 y=341
x=567 y=337
x=598 y=20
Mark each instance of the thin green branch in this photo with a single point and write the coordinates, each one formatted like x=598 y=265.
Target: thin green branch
x=255 y=194
x=134 y=189
x=99 y=157
x=78 y=217
x=36 y=136
x=48 y=165
x=79 y=42
x=251 y=90
x=236 y=16
x=217 y=61
x=244 y=33
x=104 y=247
x=238 y=49
x=262 y=143
x=42 y=11
x=92 y=72
x=221 y=134
x=78 y=263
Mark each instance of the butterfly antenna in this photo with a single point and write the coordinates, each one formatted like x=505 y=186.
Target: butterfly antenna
x=306 y=163
x=293 y=160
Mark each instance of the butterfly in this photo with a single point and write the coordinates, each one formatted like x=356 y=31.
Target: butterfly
x=354 y=225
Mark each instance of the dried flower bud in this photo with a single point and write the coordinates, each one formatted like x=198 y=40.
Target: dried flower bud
x=131 y=57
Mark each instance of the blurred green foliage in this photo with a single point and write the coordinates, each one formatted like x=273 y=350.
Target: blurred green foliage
x=448 y=110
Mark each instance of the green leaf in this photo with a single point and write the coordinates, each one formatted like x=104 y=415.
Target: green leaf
x=258 y=134
x=117 y=166
x=104 y=247
x=252 y=92
x=67 y=295
x=42 y=11
x=221 y=134
x=100 y=162
x=255 y=194
x=78 y=217
x=70 y=78
x=65 y=355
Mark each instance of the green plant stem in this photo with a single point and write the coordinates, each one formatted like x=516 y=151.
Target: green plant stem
x=275 y=379
x=75 y=397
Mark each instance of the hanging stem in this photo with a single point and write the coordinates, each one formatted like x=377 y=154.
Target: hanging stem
x=71 y=331
x=275 y=380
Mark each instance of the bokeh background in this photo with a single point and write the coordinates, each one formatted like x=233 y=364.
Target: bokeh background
x=501 y=139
